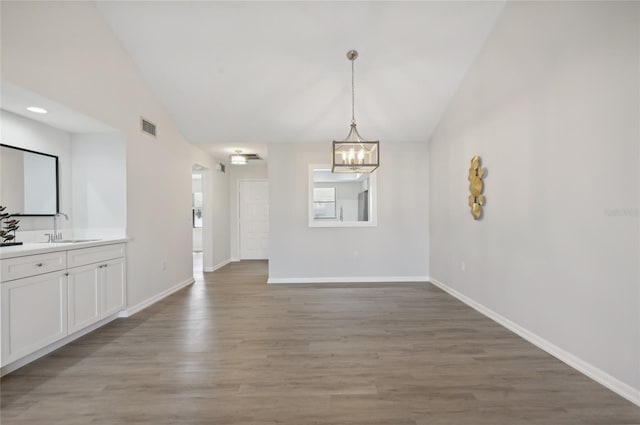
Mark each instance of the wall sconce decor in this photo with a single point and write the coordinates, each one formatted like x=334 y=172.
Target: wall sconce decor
x=476 y=186
x=354 y=154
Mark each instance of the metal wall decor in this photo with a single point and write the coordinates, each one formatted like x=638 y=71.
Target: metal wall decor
x=476 y=186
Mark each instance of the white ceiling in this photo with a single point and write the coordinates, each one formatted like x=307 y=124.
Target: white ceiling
x=17 y=99
x=243 y=74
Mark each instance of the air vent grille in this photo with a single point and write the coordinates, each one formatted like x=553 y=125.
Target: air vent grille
x=252 y=156
x=148 y=127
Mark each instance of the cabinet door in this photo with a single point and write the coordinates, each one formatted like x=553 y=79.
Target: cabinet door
x=34 y=314
x=84 y=297
x=113 y=286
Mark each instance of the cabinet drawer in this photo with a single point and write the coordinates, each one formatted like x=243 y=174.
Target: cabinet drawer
x=96 y=254
x=32 y=265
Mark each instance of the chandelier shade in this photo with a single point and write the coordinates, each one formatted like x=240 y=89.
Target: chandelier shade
x=355 y=154
x=238 y=158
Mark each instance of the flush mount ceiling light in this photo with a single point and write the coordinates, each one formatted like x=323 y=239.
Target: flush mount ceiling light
x=354 y=154
x=37 y=110
x=238 y=158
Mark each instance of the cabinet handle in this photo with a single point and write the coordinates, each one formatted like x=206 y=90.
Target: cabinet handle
x=66 y=274
x=39 y=264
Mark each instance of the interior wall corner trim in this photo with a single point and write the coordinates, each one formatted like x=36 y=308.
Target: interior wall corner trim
x=217 y=266
x=130 y=311
x=353 y=279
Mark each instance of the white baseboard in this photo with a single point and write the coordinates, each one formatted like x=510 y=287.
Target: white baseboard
x=357 y=279
x=217 y=266
x=614 y=384
x=52 y=347
x=148 y=302
x=234 y=259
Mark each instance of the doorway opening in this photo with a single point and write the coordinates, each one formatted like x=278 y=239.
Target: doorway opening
x=198 y=218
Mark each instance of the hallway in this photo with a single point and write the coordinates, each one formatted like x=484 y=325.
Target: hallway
x=233 y=350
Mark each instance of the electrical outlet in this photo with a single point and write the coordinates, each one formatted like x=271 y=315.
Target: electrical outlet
x=463 y=266
x=163 y=265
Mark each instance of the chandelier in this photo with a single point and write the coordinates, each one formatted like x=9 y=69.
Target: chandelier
x=354 y=154
x=238 y=158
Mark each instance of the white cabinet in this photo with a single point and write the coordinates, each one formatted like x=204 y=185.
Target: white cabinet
x=95 y=292
x=84 y=296
x=40 y=306
x=31 y=265
x=96 y=254
x=113 y=286
x=34 y=314
x=96 y=284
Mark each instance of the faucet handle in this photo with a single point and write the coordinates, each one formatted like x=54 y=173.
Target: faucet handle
x=50 y=239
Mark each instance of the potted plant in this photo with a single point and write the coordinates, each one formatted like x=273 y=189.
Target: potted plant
x=8 y=227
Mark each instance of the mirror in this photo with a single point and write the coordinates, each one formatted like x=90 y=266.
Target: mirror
x=341 y=200
x=29 y=182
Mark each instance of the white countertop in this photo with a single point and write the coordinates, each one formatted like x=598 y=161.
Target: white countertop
x=43 y=247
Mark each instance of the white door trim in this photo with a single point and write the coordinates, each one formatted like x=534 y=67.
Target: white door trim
x=238 y=212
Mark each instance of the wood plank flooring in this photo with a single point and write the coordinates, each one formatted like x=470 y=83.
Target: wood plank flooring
x=232 y=350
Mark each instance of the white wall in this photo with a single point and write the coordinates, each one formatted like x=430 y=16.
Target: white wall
x=237 y=173
x=219 y=208
x=551 y=105
x=29 y=134
x=396 y=248
x=87 y=70
x=99 y=188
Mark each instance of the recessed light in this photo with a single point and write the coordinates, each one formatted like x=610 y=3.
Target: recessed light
x=37 y=110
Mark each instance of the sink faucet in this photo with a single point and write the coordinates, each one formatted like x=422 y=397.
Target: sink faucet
x=57 y=236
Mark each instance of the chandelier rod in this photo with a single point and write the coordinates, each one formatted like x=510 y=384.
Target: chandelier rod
x=353 y=93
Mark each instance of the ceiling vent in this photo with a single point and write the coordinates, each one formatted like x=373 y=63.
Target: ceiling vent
x=148 y=127
x=252 y=156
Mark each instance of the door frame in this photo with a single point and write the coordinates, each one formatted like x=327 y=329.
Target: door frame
x=238 y=211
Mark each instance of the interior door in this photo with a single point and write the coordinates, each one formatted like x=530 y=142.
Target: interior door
x=253 y=209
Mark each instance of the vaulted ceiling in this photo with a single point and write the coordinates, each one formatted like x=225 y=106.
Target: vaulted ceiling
x=242 y=74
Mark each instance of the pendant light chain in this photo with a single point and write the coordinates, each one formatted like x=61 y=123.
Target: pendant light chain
x=353 y=94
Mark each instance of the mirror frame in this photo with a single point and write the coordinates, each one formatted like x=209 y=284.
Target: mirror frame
x=373 y=202
x=2 y=145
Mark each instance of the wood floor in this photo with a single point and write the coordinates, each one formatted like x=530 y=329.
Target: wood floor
x=232 y=350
